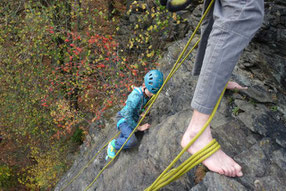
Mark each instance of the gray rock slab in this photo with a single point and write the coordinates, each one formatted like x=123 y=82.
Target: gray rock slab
x=216 y=182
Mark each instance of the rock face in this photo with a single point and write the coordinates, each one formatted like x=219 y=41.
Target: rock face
x=250 y=125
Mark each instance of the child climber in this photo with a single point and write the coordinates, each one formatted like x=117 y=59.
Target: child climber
x=128 y=117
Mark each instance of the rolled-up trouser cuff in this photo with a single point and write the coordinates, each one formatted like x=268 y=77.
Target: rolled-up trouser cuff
x=201 y=108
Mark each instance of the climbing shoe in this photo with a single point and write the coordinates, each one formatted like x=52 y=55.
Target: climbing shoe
x=111 y=152
x=177 y=5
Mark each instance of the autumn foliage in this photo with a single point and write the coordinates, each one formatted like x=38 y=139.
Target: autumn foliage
x=62 y=66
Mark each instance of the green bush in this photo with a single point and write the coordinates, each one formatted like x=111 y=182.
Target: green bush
x=7 y=179
x=77 y=137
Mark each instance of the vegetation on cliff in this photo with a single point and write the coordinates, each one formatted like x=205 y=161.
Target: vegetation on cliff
x=63 y=65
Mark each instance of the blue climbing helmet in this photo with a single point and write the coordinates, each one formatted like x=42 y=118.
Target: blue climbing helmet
x=153 y=81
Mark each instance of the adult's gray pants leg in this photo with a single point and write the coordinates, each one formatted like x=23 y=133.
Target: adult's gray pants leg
x=234 y=25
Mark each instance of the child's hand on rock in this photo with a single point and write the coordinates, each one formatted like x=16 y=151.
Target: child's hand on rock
x=143 y=127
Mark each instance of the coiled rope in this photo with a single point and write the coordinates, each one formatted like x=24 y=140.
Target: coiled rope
x=167 y=176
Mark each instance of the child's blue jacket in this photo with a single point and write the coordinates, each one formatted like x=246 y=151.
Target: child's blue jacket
x=133 y=108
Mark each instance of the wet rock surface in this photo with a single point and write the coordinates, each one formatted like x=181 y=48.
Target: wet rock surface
x=250 y=125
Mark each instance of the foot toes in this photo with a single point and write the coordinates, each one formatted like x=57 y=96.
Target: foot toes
x=238 y=171
x=239 y=174
x=233 y=172
x=226 y=171
x=221 y=172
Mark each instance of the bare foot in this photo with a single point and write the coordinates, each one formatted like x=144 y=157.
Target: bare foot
x=235 y=86
x=219 y=162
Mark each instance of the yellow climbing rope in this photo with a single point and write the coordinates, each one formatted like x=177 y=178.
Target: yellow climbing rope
x=151 y=102
x=175 y=68
x=89 y=162
x=195 y=159
x=167 y=177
